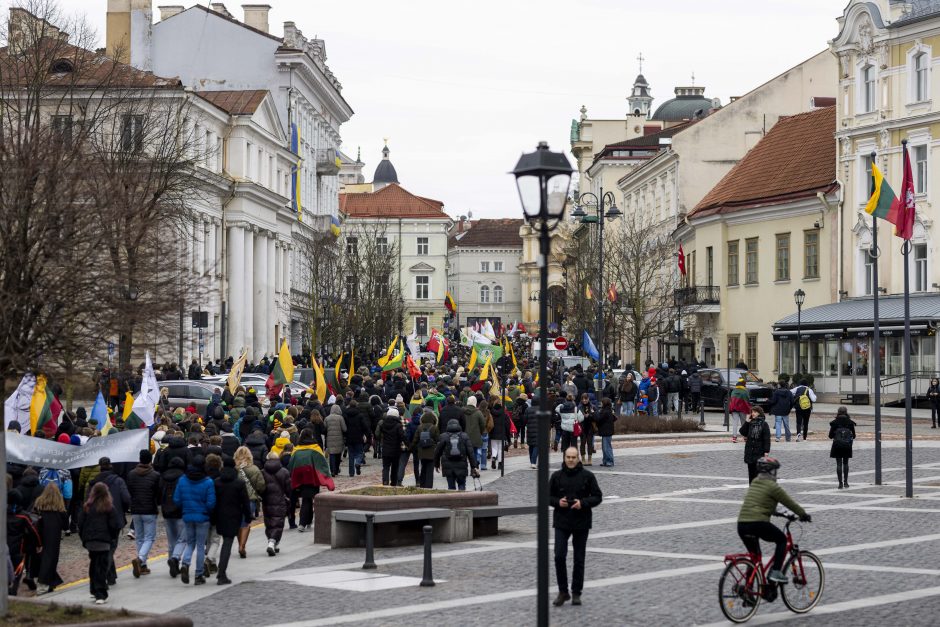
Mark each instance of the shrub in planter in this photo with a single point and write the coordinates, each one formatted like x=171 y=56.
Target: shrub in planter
x=653 y=424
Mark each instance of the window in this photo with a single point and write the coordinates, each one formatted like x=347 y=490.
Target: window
x=62 y=129
x=868 y=89
x=422 y=246
x=733 y=263
x=709 y=266
x=497 y=266
x=381 y=286
x=422 y=286
x=132 y=133
x=352 y=246
x=484 y=266
x=865 y=178
x=381 y=245
x=352 y=287
x=783 y=257
x=484 y=294
x=734 y=349
x=750 y=348
x=921 y=67
x=920 y=267
x=690 y=277
x=869 y=272
x=498 y=294
x=750 y=261
x=811 y=254
x=920 y=169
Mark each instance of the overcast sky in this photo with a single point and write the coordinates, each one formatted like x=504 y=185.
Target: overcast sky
x=462 y=88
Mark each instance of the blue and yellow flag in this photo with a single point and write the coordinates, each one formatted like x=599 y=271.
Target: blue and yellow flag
x=334 y=226
x=295 y=171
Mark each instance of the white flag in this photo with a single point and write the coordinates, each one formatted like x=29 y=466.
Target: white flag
x=488 y=330
x=412 y=342
x=478 y=338
x=16 y=407
x=149 y=387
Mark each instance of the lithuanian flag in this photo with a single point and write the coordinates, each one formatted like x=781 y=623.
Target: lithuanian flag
x=319 y=380
x=339 y=363
x=485 y=373
x=388 y=353
x=395 y=361
x=40 y=408
x=879 y=203
x=449 y=302
x=308 y=466
x=283 y=371
x=473 y=359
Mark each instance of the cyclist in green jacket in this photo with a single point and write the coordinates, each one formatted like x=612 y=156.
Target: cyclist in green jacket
x=760 y=502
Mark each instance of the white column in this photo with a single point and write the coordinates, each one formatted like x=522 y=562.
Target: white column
x=271 y=317
x=212 y=249
x=277 y=266
x=236 y=288
x=259 y=279
x=247 y=304
x=287 y=272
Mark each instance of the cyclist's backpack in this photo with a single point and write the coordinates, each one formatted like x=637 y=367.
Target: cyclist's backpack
x=843 y=435
x=804 y=401
x=425 y=440
x=455 y=452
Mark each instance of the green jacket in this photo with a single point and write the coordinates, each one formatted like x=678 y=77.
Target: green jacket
x=761 y=501
x=475 y=425
x=437 y=398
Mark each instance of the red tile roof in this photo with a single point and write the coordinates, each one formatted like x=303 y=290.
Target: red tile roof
x=496 y=233
x=392 y=201
x=240 y=102
x=796 y=159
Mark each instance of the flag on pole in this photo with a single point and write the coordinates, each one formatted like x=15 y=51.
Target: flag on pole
x=396 y=360
x=16 y=407
x=352 y=363
x=99 y=411
x=589 y=347
x=449 y=302
x=903 y=209
x=485 y=373
x=319 y=380
x=512 y=353
x=488 y=331
x=128 y=405
x=473 y=359
x=283 y=371
x=388 y=353
x=413 y=371
x=588 y=292
x=882 y=196
x=141 y=414
x=612 y=293
x=149 y=386
x=339 y=363
x=296 y=204
x=235 y=374
x=681 y=261
x=478 y=338
x=40 y=408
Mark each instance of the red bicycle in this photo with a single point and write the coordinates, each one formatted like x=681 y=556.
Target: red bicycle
x=744 y=582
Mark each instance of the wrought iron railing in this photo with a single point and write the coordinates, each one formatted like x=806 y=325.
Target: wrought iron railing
x=692 y=296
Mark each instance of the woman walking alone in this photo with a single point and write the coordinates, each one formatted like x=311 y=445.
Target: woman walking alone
x=739 y=405
x=842 y=434
x=51 y=508
x=276 y=500
x=254 y=482
x=99 y=524
x=933 y=394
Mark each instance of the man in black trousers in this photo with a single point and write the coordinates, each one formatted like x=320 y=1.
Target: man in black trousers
x=573 y=492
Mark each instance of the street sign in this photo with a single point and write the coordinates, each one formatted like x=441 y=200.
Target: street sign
x=561 y=343
x=110 y=349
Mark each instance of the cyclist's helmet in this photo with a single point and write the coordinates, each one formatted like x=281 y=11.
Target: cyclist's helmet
x=768 y=464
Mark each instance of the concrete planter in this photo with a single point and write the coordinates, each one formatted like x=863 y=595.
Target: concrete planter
x=325 y=503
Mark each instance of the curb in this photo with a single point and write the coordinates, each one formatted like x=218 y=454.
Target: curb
x=139 y=619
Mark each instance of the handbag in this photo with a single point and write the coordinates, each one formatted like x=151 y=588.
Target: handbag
x=577 y=430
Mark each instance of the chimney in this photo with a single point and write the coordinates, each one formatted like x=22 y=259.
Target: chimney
x=256 y=16
x=168 y=11
x=219 y=7
x=129 y=34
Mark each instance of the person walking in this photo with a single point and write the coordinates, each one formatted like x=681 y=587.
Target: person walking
x=803 y=399
x=99 y=525
x=933 y=395
x=531 y=426
x=305 y=477
x=739 y=404
x=392 y=437
x=172 y=514
x=588 y=429
x=453 y=453
x=574 y=493
x=781 y=402
x=232 y=507
x=605 y=429
x=335 y=438
x=143 y=483
x=254 y=483
x=842 y=434
x=120 y=500
x=757 y=432
x=424 y=443
x=276 y=500
x=498 y=434
x=627 y=395
x=195 y=495
x=571 y=419
x=475 y=426
x=357 y=434
x=50 y=506
x=695 y=391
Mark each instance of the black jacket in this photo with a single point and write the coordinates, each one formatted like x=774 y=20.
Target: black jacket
x=392 y=435
x=695 y=383
x=143 y=483
x=530 y=422
x=231 y=503
x=357 y=425
x=452 y=412
x=573 y=483
x=97 y=526
x=168 y=481
x=442 y=459
x=605 y=422
x=229 y=444
x=119 y=494
x=781 y=402
x=840 y=449
x=175 y=447
x=757 y=432
x=501 y=428
x=257 y=444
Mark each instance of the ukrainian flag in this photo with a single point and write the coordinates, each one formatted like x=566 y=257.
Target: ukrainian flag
x=334 y=226
x=295 y=171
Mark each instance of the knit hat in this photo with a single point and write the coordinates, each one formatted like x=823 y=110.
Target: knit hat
x=472 y=401
x=399 y=399
x=64 y=438
x=75 y=440
x=14 y=426
x=393 y=413
x=158 y=436
x=285 y=434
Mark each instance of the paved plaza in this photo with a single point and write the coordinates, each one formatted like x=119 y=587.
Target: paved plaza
x=654 y=556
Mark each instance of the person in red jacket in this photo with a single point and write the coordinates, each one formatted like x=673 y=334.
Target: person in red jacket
x=739 y=405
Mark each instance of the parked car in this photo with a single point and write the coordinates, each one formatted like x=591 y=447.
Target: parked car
x=715 y=387
x=184 y=393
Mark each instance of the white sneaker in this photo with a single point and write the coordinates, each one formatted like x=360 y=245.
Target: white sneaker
x=130 y=535
x=100 y=601
x=799 y=437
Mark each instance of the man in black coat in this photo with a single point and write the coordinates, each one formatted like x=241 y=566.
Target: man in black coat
x=453 y=453
x=357 y=431
x=450 y=412
x=143 y=484
x=574 y=493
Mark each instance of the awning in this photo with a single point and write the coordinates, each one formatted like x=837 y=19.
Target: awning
x=852 y=332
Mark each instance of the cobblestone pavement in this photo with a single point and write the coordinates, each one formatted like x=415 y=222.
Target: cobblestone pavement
x=654 y=556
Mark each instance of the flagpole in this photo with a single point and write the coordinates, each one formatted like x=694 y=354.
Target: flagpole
x=876 y=343
x=908 y=426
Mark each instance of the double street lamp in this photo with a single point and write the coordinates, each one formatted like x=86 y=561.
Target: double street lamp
x=542 y=178
x=596 y=205
x=799 y=297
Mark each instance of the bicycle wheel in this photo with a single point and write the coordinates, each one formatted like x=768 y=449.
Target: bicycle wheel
x=807 y=578
x=740 y=600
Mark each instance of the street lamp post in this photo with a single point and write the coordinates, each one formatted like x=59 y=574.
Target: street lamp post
x=542 y=178
x=799 y=297
x=597 y=204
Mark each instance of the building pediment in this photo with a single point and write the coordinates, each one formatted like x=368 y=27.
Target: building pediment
x=422 y=267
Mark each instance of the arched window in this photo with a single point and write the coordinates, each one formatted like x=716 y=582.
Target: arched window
x=498 y=294
x=484 y=294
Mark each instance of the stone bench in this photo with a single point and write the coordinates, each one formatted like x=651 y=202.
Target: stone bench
x=354 y=527
x=486 y=517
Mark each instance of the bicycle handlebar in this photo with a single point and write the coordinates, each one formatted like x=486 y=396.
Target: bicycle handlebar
x=790 y=517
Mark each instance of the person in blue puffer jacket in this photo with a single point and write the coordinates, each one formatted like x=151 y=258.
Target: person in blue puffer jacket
x=195 y=495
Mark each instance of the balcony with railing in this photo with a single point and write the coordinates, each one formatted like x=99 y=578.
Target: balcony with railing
x=701 y=299
x=328 y=162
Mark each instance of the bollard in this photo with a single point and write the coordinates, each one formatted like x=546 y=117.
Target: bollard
x=427 y=580
x=369 y=564
x=701 y=409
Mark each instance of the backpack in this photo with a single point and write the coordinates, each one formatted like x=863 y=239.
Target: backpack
x=803 y=399
x=425 y=440
x=843 y=435
x=252 y=493
x=455 y=453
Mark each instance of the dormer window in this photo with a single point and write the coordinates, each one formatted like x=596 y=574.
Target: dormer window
x=62 y=66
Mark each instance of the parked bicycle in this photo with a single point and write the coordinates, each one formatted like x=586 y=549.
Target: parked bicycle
x=744 y=583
